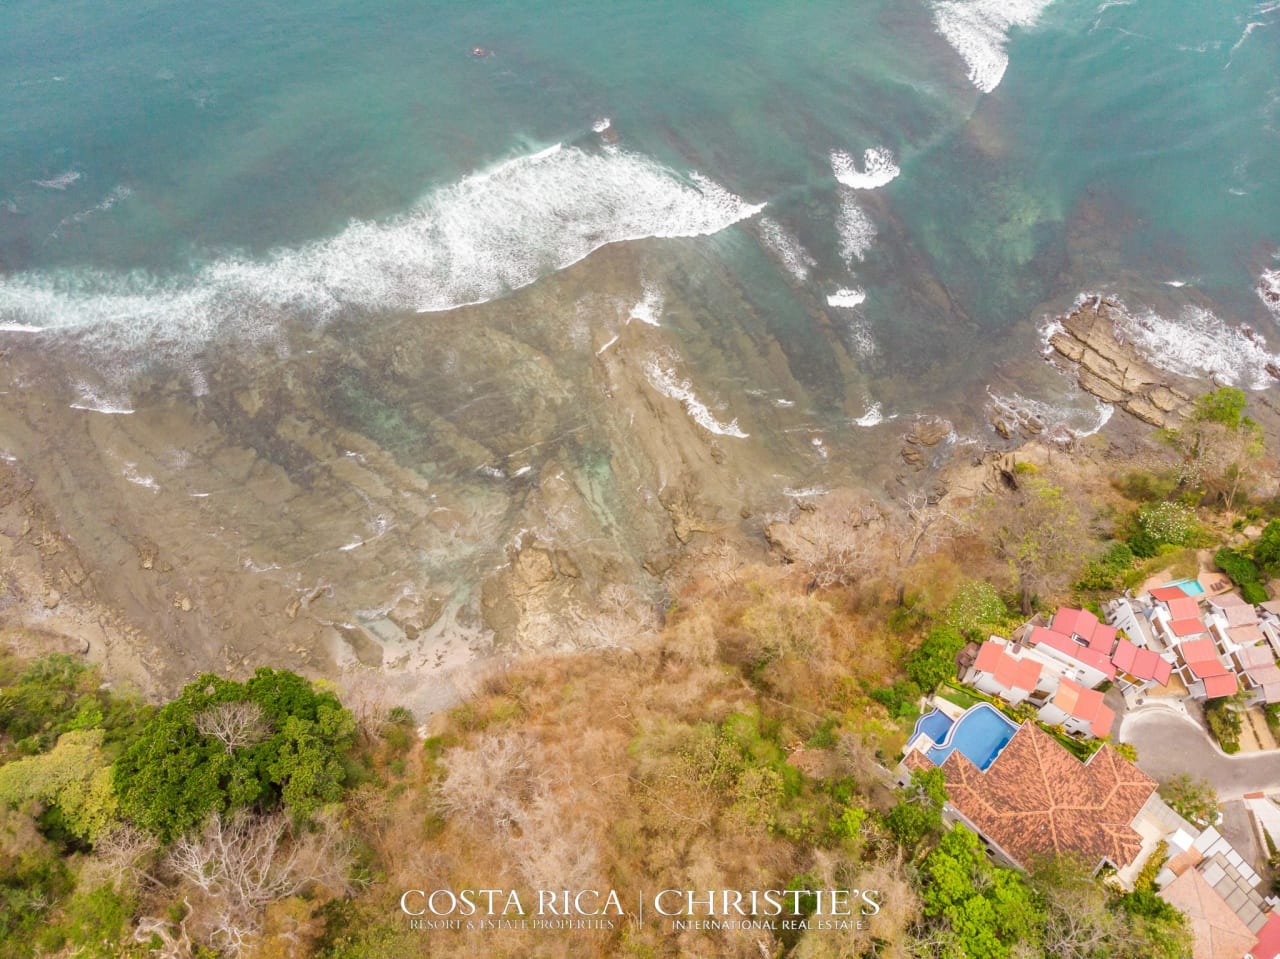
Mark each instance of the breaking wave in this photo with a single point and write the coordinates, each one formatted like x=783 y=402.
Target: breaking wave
x=1037 y=417
x=664 y=380
x=846 y=298
x=978 y=30
x=878 y=169
x=1198 y=344
x=1269 y=291
x=466 y=243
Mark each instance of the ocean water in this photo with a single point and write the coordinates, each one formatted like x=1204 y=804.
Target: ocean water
x=306 y=158
x=802 y=224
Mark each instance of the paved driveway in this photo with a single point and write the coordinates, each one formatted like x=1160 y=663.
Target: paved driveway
x=1169 y=743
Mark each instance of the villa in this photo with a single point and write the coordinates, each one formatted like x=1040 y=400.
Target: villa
x=1028 y=797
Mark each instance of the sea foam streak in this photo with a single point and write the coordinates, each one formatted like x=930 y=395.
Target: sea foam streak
x=795 y=258
x=979 y=31
x=1198 y=344
x=664 y=380
x=856 y=230
x=466 y=243
x=878 y=169
x=59 y=182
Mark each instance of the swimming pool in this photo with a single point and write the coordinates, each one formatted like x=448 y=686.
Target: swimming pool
x=935 y=724
x=1189 y=586
x=979 y=734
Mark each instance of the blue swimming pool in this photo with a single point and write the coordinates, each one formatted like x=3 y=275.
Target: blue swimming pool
x=979 y=734
x=1189 y=586
x=935 y=724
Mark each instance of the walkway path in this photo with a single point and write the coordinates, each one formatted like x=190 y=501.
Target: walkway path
x=1170 y=742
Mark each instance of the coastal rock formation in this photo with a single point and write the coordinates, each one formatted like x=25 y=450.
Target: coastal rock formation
x=1112 y=369
x=926 y=433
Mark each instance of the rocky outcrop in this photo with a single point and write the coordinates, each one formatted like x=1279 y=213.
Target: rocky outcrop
x=926 y=433
x=1113 y=370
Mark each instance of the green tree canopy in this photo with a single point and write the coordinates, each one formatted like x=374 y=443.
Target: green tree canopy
x=174 y=774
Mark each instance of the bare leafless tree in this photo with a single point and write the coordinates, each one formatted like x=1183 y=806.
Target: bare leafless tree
x=235 y=725
x=488 y=782
x=236 y=865
x=123 y=853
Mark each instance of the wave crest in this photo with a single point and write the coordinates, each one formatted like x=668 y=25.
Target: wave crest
x=466 y=243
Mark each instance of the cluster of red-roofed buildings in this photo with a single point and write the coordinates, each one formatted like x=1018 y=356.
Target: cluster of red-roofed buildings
x=1057 y=665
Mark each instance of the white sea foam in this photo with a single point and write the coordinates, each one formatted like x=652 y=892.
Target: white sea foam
x=601 y=124
x=846 y=298
x=978 y=30
x=878 y=169
x=806 y=492
x=664 y=380
x=20 y=328
x=466 y=243
x=140 y=479
x=612 y=340
x=1198 y=344
x=1269 y=291
x=649 y=309
x=874 y=416
x=117 y=195
x=786 y=247
x=92 y=400
x=59 y=182
x=856 y=230
x=1053 y=420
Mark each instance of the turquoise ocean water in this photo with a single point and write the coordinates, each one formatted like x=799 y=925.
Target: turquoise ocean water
x=192 y=172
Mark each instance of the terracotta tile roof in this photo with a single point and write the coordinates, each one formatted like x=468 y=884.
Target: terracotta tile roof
x=1007 y=671
x=1227 y=599
x=1216 y=686
x=1245 y=635
x=1219 y=932
x=1241 y=615
x=1166 y=593
x=1040 y=636
x=1187 y=627
x=1037 y=799
x=1271 y=605
x=1253 y=656
x=1184 y=607
x=1103 y=638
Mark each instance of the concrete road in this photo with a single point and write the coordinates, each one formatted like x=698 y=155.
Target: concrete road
x=1169 y=742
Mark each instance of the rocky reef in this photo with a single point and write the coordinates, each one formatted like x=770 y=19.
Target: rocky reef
x=1090 y=341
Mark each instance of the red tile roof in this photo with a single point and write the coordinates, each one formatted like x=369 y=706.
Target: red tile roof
x=1268 y=946
x=1184 y=608
x=1198 y=650
x=1009 y=671
x=1040 y=636
x=1103 y=638
x=1085 y=705
x=1148 y=665
x=1028 y=674
x=1166 y=593
x=1187 y=627
x=1124 y=656
x=1078 y=621
x=989 y=656
x=1037 y=799
x=1224 y=685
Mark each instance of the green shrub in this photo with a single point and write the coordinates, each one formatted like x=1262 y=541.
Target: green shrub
x=976 y=608
x=1107 y=571
x=1224 y=723
x=1266 y=551
x=1242 y=571
x=934 y=661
